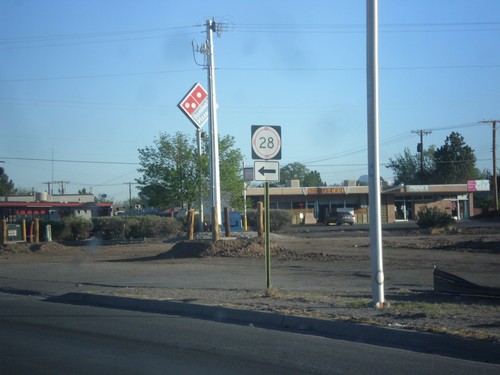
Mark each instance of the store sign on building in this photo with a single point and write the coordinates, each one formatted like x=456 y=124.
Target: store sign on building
x=327 y=190
x=478 y=185
x=417 y=188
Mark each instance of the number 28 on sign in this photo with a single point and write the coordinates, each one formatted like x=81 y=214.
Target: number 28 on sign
x=266 y=142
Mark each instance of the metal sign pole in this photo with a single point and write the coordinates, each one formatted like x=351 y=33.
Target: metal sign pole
x=267 y=231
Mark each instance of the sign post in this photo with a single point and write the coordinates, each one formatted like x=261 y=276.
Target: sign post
x=266 y=148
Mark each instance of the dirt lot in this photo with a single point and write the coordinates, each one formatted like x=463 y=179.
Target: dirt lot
x=409 y=258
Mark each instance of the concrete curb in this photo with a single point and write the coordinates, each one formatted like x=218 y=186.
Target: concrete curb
x=439 y=344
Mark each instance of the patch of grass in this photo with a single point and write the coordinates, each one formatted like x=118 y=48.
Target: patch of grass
x=359 y=303
x=272 y=293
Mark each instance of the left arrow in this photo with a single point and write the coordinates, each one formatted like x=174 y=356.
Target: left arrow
x=263 y=171
x=266 y=170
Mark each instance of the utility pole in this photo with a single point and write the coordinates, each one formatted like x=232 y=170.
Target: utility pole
x=48 y=186
x=62 y=190
x=420 y=148
x=495 y=182
x=129 y=194
x=207 y=49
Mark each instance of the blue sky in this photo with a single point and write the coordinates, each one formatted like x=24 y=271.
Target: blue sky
x=96 y=80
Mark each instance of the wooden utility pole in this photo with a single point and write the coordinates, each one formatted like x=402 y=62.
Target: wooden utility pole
x=495 y=182
x=129 y=194
x=420 y=149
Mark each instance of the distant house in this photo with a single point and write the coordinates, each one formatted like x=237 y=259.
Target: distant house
x=52 y=207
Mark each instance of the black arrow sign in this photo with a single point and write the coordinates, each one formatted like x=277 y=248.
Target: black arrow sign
x=263 y=171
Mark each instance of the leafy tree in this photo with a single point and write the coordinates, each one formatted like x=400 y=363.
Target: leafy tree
x=173 y=174
x=170 y=171
x=298 y=171
x=406 y=167
x=230 y=161
x=313 y=178
x=455 y=161
x=6 y=185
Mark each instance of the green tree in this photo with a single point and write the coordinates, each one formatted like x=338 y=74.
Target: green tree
x=231 y=179
x=170 y=171
x=6 y=185
x=173 y=174
x=406 y=167
x=455 y=161
x=313 y=179
x=298 y=171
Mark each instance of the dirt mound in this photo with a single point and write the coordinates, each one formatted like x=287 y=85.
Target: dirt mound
x=27 y=248
x=250 y=248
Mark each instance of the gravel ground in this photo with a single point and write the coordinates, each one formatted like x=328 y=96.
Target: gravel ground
x=320 y=257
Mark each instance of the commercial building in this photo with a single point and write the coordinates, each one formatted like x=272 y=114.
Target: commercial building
x=52 y=207
x=399 y=203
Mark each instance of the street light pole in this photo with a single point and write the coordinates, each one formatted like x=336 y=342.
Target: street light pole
x=376 y=259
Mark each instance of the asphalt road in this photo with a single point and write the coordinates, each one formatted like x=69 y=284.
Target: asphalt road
x=52 y=338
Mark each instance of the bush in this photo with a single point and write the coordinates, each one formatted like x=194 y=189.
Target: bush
x=433 y=218
x=56 y=229
x=109 y=228
x=279 y=219
x=73 y=228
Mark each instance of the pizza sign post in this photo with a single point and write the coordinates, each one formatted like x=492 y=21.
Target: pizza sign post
x=195 y=105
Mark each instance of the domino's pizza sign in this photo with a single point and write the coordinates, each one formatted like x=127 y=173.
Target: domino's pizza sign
x=195 y=105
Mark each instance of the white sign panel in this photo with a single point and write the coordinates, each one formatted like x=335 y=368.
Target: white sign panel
x=266 y=170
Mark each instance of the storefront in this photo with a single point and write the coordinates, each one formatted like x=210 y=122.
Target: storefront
x=399 y=203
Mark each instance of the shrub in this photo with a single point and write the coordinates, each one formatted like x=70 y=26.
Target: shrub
x=56 y=228
x=433 y=218
x=279 y=219
x=74 y=228
x=109 y=228
x=135 y=227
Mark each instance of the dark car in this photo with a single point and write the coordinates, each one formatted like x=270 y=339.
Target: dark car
x=339 y=218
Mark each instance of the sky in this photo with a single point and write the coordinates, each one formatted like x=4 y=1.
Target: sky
x=85 y=84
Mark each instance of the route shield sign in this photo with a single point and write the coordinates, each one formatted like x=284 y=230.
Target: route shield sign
x=195 y=105
x=266 y=142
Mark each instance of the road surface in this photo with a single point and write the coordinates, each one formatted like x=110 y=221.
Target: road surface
x=52 y=338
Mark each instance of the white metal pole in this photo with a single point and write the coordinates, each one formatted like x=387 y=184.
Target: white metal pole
x=214 y=137
x=376 y=257
x=200 y=223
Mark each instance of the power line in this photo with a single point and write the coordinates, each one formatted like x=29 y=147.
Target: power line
x=87 y=76
x=71 y=161
x=63 y=40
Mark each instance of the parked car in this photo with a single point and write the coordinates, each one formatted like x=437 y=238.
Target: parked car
x=339 y=218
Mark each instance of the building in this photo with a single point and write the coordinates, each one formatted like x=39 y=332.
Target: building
x=399 y=203
x=52 y=207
